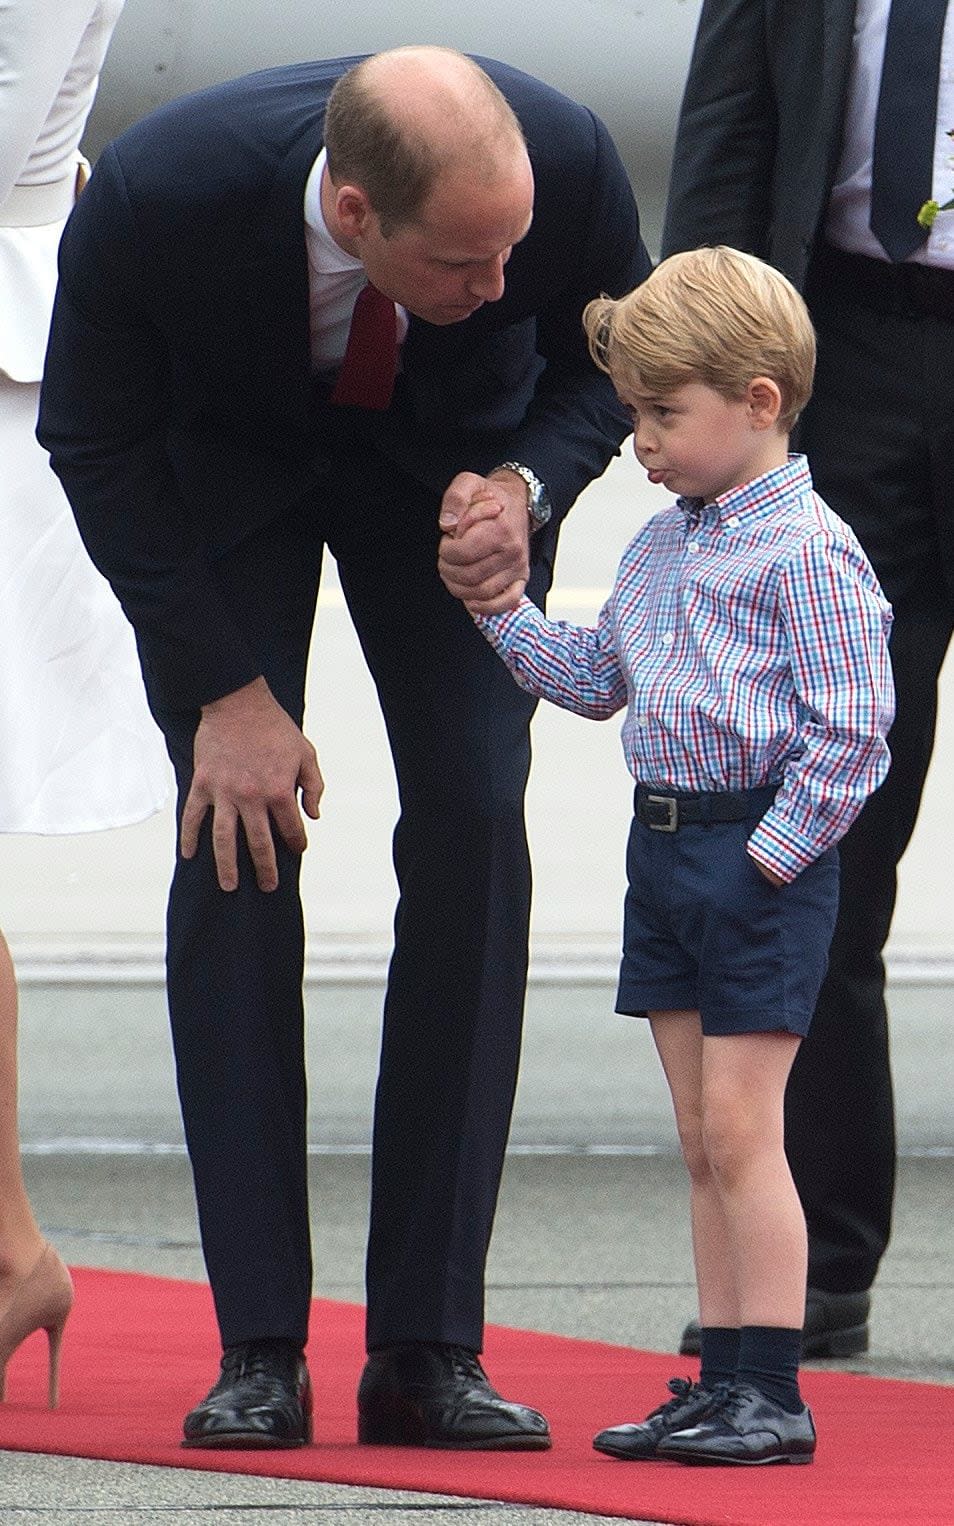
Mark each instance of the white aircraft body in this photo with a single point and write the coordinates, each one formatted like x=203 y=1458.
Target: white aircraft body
x=625 y=58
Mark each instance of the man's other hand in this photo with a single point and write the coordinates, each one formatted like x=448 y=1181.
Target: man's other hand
x=250 y=762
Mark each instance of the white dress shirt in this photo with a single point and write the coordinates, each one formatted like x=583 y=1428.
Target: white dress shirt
x=846 y=225
x=334 y=280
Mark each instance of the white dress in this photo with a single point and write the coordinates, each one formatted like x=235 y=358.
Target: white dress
x=78 y=747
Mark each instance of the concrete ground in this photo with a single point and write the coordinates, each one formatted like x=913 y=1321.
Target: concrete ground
x=591 y=1235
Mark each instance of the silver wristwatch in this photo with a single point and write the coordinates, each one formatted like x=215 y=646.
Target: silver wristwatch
x=539 y=506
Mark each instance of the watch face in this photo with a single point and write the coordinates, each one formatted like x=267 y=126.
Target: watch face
x=539 y=504
x=538 y=499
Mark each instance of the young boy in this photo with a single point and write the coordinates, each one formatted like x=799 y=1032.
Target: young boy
x=746 y=636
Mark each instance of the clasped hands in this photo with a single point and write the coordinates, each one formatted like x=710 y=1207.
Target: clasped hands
x=250 y=758
x=484 y=553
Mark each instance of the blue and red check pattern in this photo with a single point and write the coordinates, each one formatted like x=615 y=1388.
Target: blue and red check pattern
x=747 y=639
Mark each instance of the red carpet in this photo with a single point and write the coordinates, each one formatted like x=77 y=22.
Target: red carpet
x=139 y=1351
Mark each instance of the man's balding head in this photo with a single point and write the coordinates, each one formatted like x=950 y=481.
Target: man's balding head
x=400 y=121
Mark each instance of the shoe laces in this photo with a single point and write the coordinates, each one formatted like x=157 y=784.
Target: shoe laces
x=256 y=1359
x=464 y=1363
x=682 y=1390
x=729 y=1399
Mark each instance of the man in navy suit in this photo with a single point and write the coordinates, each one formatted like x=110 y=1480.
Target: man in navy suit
x=798 y=142
x=208 y=281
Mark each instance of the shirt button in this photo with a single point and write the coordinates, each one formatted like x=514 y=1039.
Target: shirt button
x=667 y=638
x=693 y=545
x=733 y=521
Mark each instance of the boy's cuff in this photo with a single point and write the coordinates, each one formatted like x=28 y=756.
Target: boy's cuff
x=784 y=852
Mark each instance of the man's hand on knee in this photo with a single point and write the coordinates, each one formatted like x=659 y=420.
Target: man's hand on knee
x=250 y=762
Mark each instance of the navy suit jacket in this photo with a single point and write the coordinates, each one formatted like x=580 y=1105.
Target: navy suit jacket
x=760 y=129
x=178 y=404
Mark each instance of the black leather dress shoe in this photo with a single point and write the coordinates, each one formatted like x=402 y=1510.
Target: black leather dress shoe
x=836 y=1325
x=432 y=1395
x=262 y=1399
x=742 y=1426
x=638 y=1443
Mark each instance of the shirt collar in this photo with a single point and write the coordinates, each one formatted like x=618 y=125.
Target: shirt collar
x=326 y=256
x=754 y=498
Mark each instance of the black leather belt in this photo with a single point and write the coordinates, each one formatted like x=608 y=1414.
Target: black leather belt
x=667 y=811
x=909 y=290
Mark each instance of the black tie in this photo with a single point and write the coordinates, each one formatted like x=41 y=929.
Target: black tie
x=906 y=124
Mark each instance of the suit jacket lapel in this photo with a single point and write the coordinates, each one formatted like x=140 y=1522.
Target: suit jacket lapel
x=272 y=295
x=838 y=24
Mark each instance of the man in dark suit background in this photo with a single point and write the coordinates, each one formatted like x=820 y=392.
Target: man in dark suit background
x=811 y=135
x=207 y=284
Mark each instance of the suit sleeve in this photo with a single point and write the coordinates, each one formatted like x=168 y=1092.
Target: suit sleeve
x=104 y=420
x=575 y=424
x=725 y=142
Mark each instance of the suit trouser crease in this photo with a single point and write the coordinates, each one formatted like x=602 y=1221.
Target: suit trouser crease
x=881 y=455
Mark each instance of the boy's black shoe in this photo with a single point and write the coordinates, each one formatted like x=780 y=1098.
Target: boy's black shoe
x=636 y=1443
x=742 y=1426
x=836 y=1325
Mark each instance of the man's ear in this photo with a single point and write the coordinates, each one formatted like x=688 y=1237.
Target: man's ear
x=764 y=399
x=352 y=210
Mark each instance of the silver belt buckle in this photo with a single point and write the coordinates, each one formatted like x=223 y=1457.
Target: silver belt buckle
x=672 y=812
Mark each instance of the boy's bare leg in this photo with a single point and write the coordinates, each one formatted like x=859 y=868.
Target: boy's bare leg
x=743 y=1087
x=679 y=1042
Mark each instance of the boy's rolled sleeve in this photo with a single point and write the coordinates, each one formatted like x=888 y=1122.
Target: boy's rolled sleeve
x=837 y=621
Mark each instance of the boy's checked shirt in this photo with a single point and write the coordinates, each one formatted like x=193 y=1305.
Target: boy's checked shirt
x=747 y=639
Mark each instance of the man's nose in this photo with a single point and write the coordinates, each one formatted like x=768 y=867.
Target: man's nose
x=488 y=282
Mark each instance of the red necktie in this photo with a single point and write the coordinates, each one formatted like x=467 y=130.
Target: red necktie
x=366 y=378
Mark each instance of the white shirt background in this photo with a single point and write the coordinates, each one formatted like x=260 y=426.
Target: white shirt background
x=334 y=280
x=850 y=204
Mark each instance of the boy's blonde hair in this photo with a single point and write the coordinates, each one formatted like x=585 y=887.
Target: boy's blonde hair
x=711 y=315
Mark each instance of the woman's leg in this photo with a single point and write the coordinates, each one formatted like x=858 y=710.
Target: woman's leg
x=20 y=1239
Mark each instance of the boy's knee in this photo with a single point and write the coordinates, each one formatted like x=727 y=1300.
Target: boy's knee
x=693 y=1148
x=728 y=1145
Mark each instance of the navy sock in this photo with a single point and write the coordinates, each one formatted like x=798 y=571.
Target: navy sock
x=768 y=1359
x=720 y=1355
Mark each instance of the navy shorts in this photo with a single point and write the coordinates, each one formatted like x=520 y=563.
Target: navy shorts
x=705 y=931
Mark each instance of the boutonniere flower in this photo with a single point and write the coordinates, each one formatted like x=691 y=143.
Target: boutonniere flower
x=930 y=209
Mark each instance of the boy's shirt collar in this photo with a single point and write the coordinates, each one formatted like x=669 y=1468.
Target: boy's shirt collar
x=752 y=499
